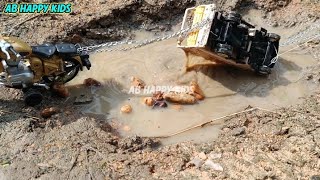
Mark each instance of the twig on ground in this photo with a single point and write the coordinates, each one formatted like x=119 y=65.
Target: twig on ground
x=73 y=164
x=216 y=121
x=87 y=166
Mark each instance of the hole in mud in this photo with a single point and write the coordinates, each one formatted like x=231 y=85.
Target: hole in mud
x=227 y=89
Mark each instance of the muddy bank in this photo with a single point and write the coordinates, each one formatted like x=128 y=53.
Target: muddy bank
x=101 y=21
x=97 y=21
x=282 y=144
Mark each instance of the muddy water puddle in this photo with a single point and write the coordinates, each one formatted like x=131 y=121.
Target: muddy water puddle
x=227 y=89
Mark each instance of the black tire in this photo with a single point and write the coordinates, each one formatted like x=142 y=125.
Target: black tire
x=264 y=71
x=242 y=26
x=273 y=37
x=234 y=17
x=32 y=97
x=224 y=49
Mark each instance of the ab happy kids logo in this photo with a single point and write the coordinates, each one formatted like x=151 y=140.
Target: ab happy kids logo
x=37 y=8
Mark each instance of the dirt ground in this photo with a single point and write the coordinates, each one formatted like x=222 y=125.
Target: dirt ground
x=259 y=144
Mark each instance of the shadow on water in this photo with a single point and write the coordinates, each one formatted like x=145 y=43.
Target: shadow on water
x=248 y=83
x=111 y=94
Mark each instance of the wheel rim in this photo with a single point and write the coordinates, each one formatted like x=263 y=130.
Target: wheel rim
x=71 y=70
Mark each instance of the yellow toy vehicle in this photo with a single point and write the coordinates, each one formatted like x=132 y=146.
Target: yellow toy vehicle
x=228 y=39
x=30 y=67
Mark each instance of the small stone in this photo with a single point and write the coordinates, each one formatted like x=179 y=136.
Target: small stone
x=161 y=104
x=136 y=82
x=196 y=91
x=283 y=131
x=238 y=131
x=197 y=162
x=202 y=156
x=48 y=112
x=181 y=98
x=213 y=166
x=91 y=82
x=148 y=101
x=309 y=77
x=126 y=128
x=158 y=96
x=76 y=39
x=215 y=156
x=126 y=109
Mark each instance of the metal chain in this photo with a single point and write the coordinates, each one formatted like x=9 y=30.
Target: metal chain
x=295 y=39
x=182 y=32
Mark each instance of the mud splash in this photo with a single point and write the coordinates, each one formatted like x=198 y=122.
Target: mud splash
x=227 y=89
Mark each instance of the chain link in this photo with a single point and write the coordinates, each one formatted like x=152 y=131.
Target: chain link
x=182 y=32
x=106 y=47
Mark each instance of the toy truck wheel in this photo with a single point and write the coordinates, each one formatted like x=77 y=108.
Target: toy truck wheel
x=273 y=37
x=264 y=70
x=234 y=17
x=32 y=97
x=224 y=50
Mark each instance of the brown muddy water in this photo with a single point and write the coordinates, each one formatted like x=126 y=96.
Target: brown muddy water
x=227 y=89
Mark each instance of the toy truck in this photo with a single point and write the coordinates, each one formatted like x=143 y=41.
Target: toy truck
x=227 y=39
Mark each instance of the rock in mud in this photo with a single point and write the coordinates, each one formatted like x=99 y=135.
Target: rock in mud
x=238 y=131
x=213 y=166
x=60 y=90
x=148 y=101
x=283 y=131
x=136 y=82
x=215 y=155
x=158 y=96
x=48 y=112
x=161 y=104
x=91 y=82
x=196 y=91
x=181 y=98
x=126 y=109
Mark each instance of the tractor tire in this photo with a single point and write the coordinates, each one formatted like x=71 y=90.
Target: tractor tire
x=32 y=97
x=224 y=49
x=234 y=17
x=273 y=37
x=264 y=71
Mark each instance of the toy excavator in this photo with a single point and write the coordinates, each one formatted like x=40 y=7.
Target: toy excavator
x=31 y=68
x=228 y=39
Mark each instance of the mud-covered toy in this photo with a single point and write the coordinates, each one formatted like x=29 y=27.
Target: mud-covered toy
x=33 y=68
